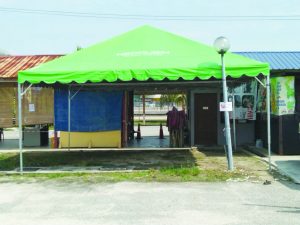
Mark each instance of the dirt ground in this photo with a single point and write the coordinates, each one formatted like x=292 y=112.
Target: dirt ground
x=213 y=159
x=252 y=166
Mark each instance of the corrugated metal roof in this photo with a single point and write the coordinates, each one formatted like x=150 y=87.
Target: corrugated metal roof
x=277 y=60
x=10 y=65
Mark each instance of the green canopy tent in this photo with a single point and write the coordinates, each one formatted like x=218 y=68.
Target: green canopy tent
x=143 y=54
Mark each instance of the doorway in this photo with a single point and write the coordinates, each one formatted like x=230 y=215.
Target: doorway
x=149 y=117
x=206 y=122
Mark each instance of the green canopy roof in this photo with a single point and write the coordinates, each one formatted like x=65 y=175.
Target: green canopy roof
x=141 y=54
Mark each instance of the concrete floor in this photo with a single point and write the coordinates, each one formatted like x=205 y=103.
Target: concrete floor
x=150 y=139
x=289 y=165
x=152 y=131
x=241 y=203
x=149 y=142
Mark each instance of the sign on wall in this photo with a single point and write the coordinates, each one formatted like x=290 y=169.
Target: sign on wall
x=225 y=106
x=245 y=98
x=262 y=97
x=283 y=95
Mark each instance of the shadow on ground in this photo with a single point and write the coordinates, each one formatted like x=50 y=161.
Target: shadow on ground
x=106 y=160
x=219 y=151
x=278 y=208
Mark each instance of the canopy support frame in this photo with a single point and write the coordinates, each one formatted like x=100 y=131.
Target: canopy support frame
x=267 y=86
x=269 y=120
x=69 y=116
x=20 y=96
x=233 y=120
x=70 y=97
x=259 y=81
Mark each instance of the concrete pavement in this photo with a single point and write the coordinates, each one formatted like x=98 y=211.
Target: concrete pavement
x=125 y=203
x=288 y=165
x=152 y=130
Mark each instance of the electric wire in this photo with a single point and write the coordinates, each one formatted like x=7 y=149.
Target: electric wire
x=153 y=17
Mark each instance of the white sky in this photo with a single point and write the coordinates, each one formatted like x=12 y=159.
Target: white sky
x=23 y=34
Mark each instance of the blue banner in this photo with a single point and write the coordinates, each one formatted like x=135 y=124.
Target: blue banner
x=91 y=110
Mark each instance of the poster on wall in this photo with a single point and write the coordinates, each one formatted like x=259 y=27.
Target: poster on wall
x=245 y=98
x=262 y=97
x=283 y=95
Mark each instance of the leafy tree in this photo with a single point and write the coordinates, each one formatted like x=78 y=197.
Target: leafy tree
x=173 y=99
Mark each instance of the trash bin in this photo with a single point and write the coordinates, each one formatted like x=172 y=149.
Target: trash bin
x=32 y=137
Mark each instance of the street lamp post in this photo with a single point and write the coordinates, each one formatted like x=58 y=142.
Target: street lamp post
x=222 y=45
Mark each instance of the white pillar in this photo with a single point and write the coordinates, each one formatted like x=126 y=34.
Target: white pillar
x=20 y=127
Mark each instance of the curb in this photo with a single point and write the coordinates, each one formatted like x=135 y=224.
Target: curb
x=264 y=159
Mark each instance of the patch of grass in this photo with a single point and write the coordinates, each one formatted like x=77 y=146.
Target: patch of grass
x=150 y=122
x=162 y=175
x=8 y=161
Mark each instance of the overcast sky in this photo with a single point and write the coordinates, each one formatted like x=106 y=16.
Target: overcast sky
x=41 y=33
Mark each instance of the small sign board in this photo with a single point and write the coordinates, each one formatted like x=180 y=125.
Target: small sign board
x=31 y=108
x=225 y=106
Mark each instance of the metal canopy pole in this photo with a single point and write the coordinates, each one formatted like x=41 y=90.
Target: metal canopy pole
x=144 y=110
x=233 y=122
x=69 y=117
x=226 y=113
x=269 y=120
x=20 y=95
x=20 y=127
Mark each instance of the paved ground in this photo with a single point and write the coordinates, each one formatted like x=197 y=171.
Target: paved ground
x=149 y=203
x=152 y=130
x=150 y=142
x=289 y=165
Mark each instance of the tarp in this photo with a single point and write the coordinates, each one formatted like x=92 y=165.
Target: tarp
x=90 y=110
x=142 y=54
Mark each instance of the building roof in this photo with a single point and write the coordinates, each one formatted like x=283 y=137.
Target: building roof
x=277 y=60
x=10 y=65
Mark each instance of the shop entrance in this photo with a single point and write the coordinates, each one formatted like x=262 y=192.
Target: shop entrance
x=206 y=119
